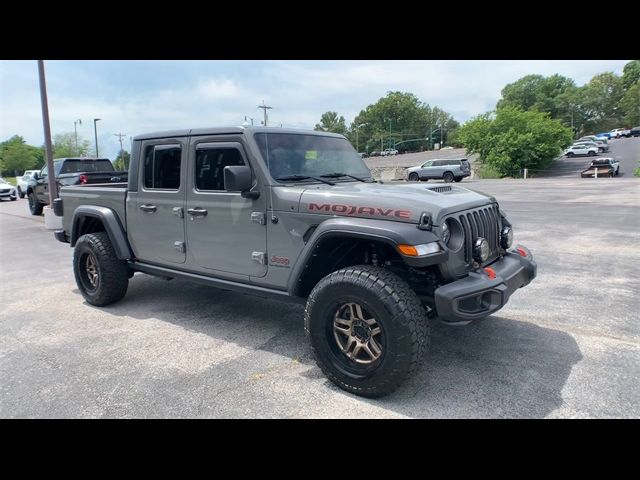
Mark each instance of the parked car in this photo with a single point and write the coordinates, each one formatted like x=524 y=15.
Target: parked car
x=389 y=151
x=593 y=138
x=23 y=182
x=581 y=149
x=634 y=132
x=7 y=190
x=71 y=171
x=602 y=167
x=606 y=135
x=374 y=154
x=620 y=132
x=452 y=169
x=602 y=147
x=371 y=261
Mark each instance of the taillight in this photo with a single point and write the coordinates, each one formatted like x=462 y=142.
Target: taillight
x=83 y=179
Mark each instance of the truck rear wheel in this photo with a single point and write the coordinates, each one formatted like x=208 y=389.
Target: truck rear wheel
x=35 y=207
x=368 y=329
x=101 y=277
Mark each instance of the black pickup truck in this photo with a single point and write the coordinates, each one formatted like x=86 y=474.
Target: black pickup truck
x=71 y=171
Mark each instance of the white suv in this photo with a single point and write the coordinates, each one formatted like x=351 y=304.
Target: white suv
x=389 y=151
x=620 y=132
x=581 y=149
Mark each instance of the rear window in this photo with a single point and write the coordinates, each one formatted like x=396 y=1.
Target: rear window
x=76 y=166
x=600 y=162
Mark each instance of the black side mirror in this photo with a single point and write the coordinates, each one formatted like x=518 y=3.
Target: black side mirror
x=36 y=176
x=238 y=179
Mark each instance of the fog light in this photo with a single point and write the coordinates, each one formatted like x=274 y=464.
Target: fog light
x=480 y=250
x=506 y=237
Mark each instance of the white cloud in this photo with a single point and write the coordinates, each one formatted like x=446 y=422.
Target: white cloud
x=136 y=97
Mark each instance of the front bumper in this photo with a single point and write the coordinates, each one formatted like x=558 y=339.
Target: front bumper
x=10 y=193
x=478 y=295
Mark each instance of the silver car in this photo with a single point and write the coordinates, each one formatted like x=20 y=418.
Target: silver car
x=452 y=169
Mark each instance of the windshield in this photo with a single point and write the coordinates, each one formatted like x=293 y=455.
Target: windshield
x=2 y=180
x=290 y=154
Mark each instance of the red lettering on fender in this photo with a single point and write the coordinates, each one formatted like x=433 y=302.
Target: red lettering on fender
x=315 y=206
x=403 y=214
x=339 y=208
x=385 y=213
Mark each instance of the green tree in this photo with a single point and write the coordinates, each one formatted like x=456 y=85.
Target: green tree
x=599 y=102
x=122 y=160
x=64 y=145
x=544 y=94
x=16 y=156
x=511 y=139
x=400 y=119
x=331 y=122
x=631 y=74
x=630 y=105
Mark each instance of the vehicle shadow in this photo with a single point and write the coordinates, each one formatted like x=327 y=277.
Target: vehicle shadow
x=497 y=367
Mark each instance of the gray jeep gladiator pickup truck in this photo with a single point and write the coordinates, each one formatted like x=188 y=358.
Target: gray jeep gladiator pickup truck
x=296 y=215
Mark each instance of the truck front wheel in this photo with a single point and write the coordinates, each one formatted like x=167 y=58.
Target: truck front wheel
x=368 y=329
x=35 y=207
x=101 y=277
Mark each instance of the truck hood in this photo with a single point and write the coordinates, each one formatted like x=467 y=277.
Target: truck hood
x=399 y=202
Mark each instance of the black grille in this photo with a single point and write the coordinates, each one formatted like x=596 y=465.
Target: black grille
x=6 y=190
x=481 y=222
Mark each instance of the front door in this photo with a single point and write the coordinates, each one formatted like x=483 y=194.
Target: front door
x=225 y=231
x=155 y=219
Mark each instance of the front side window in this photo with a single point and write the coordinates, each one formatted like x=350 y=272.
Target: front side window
x=162 y=167
x=210 y=163
x=289 y=154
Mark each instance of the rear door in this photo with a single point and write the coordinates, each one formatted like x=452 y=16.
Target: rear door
x=156 y=221
x=225 y=231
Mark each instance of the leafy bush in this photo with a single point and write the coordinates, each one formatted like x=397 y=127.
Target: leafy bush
x=512 y=139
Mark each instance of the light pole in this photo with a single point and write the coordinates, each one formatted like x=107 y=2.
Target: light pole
x=95 y=133
x=357 y=142
x=75 y=129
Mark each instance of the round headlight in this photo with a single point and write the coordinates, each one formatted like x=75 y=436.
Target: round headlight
x=480 y=250
x=506 y=237
x=446 y=233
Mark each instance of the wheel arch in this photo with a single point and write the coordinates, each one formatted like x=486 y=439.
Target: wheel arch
x=93 y=218
x=334 y=243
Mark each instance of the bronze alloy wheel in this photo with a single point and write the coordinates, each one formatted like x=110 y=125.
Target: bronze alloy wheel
x=90 y=275
x=357 y=334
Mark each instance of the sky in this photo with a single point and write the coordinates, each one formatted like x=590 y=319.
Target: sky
x=134 y=97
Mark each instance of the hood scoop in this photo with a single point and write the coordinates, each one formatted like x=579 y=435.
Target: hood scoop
x=445 y=189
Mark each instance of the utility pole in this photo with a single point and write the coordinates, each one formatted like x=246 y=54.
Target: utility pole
x=75 y=129
x=51 y=177
x=95 y=133
x=120 y=135
x=264 y=108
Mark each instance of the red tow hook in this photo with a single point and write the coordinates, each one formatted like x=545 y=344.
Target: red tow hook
x=491 y=273
x=522 y=252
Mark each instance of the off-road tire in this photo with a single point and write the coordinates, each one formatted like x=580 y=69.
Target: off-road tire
x=414 y=177
x=20 y=192
x=35 y=207
x=398 y=312
x=448 y=177
x=113 y=274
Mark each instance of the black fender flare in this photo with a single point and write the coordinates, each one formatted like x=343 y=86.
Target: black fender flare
x=392 y=233
x=111 y=224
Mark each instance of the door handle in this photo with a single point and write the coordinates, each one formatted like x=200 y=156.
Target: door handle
x=148 y=208
x=197 y=212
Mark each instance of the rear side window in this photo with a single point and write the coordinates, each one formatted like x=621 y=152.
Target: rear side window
x=210 y=163
x=77 y=166
x=162 y=167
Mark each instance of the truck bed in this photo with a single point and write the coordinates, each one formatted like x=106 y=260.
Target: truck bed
x=112 y=196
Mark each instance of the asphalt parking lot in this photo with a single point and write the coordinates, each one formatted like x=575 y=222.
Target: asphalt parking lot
x=568 y=345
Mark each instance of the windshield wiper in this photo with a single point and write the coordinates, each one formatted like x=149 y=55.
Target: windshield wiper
x=338 y=175
x=303 y=177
